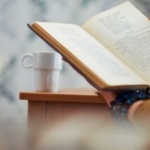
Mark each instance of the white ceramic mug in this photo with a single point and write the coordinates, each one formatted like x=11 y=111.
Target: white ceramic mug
x=47 y=66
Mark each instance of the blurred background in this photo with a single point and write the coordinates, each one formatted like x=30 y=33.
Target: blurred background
x=16 y=40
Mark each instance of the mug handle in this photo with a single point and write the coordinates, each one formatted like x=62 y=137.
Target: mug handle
x=22 y=61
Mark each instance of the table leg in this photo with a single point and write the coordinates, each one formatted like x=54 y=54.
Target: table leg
x=36 y=120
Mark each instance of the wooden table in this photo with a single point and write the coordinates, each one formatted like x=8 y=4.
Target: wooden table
x=77 y=111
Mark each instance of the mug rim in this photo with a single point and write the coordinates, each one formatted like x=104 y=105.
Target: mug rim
x=47 y=52
x=54 y=52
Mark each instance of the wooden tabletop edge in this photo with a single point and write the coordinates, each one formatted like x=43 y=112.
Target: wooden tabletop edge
x=90 y=97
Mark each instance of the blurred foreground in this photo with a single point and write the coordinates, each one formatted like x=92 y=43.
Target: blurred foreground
x=79 y=132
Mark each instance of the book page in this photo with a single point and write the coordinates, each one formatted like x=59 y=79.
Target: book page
x=83 y=49
x=125 y=31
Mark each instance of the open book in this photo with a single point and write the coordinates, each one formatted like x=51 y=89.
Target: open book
x=111 y=49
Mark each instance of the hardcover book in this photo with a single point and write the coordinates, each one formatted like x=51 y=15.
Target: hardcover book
x=111 y=49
